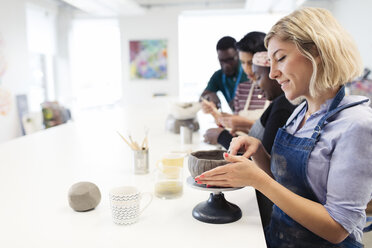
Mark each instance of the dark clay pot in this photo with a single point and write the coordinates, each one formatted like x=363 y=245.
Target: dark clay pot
x=201 y=161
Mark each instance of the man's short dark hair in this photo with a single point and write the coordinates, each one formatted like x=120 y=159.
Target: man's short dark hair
x=252 y=42
x=225 y=43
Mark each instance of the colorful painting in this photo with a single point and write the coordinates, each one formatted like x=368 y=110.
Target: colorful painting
x=148 y=59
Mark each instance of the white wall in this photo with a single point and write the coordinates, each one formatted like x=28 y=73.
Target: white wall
x=13 y=33
x=355 y=17
x=17 y=77
x=157 y=24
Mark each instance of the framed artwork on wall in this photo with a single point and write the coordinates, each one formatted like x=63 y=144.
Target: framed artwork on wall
x=148 y=59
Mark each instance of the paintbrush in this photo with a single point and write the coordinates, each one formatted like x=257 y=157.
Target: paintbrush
x=134 y=143
x=126 y=141
x=144 y=142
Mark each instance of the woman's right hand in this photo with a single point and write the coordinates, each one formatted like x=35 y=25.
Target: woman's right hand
x=247 y=145
x=251 y=147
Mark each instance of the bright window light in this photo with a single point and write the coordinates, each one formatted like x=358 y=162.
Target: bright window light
x=96 y=62
x=40 y=26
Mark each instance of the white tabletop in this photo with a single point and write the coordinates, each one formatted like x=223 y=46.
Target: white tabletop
x=36 y=172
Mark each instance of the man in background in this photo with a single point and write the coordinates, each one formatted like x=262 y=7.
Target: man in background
x=227 y=78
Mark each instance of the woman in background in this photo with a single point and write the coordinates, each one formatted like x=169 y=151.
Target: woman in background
x=275 y=115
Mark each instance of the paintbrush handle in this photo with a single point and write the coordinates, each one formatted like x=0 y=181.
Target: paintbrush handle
x=126 y=141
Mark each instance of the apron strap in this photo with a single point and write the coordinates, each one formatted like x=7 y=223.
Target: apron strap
x=248 y=102
x=332 y=110
x=368 y=228
x=320 y=125
x=338 y=98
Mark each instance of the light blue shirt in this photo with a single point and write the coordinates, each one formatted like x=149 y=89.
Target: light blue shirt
x=340 y=166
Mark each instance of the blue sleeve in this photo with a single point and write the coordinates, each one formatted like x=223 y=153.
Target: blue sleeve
x=349 y=185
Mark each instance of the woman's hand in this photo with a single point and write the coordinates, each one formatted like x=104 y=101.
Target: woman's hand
x=212 y=134
x=235 y=122
x=251 y=147
x=247 y=145
x=239 y=173
x=208 y=107
x=230 y=121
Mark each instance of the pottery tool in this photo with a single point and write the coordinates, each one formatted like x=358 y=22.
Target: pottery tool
x=134 y=143
x=126 y=141
x=144 y=144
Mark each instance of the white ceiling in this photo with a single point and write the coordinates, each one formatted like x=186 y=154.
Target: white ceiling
x=187 y=3
x=134 y=7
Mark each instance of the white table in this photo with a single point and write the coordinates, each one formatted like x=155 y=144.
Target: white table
x=36 y=172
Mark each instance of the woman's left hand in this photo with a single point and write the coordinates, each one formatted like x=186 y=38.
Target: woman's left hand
x=239 y=173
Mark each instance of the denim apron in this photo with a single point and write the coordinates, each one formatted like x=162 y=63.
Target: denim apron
x=289 y=158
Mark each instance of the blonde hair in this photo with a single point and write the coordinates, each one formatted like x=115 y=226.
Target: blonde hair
x=315 y=32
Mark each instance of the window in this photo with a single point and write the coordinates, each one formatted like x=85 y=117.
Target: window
x=96 y=62
x=40 y=26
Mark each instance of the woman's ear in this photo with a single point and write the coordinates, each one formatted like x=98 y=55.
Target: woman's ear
x=314 y=51
x=317 y=58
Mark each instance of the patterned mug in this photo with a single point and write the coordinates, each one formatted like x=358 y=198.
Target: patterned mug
x=125 y=204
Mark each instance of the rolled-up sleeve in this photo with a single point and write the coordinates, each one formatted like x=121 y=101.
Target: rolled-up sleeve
x=349 y=184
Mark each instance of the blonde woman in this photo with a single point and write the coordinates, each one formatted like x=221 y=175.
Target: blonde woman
x=319 y=173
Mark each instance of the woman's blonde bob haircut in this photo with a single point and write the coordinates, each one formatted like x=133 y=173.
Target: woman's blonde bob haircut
x=315 y=32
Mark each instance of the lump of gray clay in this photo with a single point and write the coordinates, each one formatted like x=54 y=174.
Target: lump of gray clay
x=84 y=196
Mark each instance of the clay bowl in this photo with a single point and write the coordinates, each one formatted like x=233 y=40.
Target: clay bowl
x=201 y=161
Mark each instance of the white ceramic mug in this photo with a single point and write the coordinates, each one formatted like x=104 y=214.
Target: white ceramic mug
x=125 y=204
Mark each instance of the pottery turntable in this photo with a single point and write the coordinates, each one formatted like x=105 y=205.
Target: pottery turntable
x=216 y=210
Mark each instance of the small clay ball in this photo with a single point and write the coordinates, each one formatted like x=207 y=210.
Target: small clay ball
x=84 y=196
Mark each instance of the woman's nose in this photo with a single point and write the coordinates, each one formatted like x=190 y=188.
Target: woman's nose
x=274 y=72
